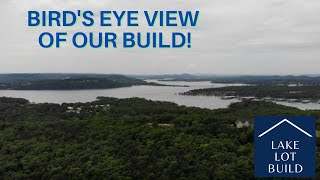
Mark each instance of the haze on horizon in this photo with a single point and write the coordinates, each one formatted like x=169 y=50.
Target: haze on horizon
x=233 y=37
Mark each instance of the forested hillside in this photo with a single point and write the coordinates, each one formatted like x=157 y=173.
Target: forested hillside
x=66 y=81
x=128 y=139
x=261 y=91
x=27 y=77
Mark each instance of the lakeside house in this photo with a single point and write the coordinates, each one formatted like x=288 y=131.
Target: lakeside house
x=242 y=123
x=73 y=110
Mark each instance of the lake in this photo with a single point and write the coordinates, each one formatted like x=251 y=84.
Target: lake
x=160 y=93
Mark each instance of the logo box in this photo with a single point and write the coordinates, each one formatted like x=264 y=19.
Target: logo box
x=285 y=146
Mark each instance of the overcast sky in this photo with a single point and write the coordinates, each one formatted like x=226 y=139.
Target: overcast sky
x=232 y=37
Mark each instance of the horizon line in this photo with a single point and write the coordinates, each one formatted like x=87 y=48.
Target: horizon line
x=148 y=74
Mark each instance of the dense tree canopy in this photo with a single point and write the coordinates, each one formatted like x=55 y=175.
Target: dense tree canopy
x=128 y=139
x=67 y=81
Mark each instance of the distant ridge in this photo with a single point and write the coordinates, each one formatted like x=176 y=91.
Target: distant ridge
x=61 y=81
x=19 y=77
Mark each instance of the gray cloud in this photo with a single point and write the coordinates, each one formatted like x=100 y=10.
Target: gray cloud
x=236 y=37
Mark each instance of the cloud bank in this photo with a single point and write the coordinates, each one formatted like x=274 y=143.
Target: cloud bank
x=233 y=37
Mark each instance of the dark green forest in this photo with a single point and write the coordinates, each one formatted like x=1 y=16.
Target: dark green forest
x=28 y=77
x=66 y=81
x=129 y=139
x=262 y=91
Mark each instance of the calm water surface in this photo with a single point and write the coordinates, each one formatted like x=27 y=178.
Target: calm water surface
x=160 y=93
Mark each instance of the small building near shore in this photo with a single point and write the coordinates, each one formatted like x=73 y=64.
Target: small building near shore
x=242 y=123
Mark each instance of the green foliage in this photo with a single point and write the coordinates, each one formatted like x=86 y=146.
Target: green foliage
x=262 y=91
x=128 y=139
x=66 y=81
